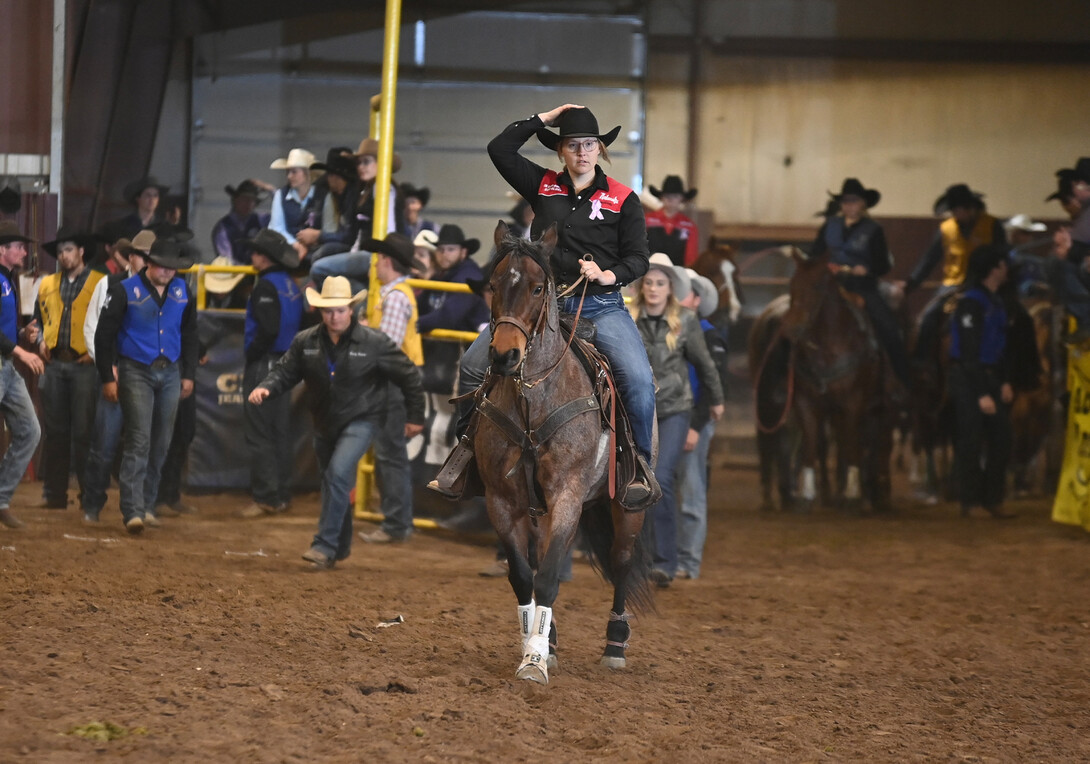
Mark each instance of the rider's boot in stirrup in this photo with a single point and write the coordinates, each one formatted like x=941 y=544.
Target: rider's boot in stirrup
x=451 y=480
x=643 y=491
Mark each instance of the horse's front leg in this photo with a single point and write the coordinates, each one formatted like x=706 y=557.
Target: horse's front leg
x=512 y=527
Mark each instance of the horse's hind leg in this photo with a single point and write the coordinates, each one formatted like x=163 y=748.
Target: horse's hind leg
x=627 y=527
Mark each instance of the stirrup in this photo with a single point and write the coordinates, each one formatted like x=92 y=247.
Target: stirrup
x=644 y=491
x=451 y=480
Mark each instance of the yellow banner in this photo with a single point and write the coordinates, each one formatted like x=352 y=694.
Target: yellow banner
x=1072 y=504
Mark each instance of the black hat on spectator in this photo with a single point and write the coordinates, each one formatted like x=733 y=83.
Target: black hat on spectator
x=273 y=245
x=245 y=188
x=852 y=187
x=396 y=245
x=340 y=162
x=423 y=193
x=452 y=234
x=958 y=195
x=133 y=190
x=9 y=232
x=575 y=123
x=79 y=238
x=672 y=185
x=1065 y=180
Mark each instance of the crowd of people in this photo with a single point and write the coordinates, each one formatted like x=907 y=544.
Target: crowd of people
x=114 y=337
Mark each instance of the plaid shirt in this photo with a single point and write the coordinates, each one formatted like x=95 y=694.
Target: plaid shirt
x=70 y=289
x=396 y=311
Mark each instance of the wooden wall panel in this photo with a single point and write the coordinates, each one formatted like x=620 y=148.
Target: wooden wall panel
x=26 y=71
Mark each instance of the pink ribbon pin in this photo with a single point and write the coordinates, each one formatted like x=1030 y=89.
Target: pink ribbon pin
x=596 y=210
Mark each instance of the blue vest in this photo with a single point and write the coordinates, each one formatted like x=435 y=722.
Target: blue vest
x=291 y=311
x=148 y=331
x=9 y=310
x=853 y=250
x=299 y=216
x=993 y=335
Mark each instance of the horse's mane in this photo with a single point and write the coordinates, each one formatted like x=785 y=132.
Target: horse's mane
x=517 y=245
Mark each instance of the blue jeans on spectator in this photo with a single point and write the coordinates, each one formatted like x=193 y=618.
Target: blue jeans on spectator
x=392 y=469
x=618 y=340
x=149 y=403
x=68 y=391
x=100 y=457
x=692 y=518
x=337 y=459
x=328 y=249
x=18 y=412
x=268 y=438
x=672 y=432
x=355 y=266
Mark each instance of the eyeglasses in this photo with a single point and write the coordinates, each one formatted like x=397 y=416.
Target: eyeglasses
x=587 y=145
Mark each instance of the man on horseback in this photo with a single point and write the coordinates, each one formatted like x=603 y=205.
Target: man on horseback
x=597 y=216
x=857 y=248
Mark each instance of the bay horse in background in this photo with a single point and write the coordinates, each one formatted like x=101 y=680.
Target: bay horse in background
x=1032 y=411
x=838 y=371
x=543 y=454
x=717 y=264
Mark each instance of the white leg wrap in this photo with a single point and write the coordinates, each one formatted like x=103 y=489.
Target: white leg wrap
x=526 y=617
x=538 y=643
x=807 y=486
x=851 y=488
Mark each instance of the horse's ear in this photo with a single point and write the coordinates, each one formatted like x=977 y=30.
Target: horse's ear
x=548 y=240
x=500 y=232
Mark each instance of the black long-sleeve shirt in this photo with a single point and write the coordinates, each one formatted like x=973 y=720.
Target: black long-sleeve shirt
x=265 y=310
x=112 y=316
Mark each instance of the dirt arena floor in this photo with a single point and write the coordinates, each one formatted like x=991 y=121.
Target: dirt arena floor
x=921 y=637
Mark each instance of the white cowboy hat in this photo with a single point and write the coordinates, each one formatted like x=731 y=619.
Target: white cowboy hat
x=336 y=293
x=222 y=283
x=1022 y=222
x=679 y=279
x=295 y=158
x=427 y=239
x=709 y=295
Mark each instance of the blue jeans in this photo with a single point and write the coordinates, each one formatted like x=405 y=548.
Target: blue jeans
x=672 y=432
x=337 y=459
x=18 y=412
x=618 y=340
x=100 y=457
x=392 y=467
x=68 y=391
x=692 y=517
x=149 y=403
x=355 y=266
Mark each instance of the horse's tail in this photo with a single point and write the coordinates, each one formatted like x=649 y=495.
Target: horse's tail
x=596 y=523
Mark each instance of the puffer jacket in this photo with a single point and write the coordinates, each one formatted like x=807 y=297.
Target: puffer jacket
x=674 y=394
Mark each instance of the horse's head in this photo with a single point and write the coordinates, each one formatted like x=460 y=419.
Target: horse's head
x=808 y=288
x=522 y=290
x=717 y=264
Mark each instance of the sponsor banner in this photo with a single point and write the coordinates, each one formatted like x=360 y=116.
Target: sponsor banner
x=1072 y=504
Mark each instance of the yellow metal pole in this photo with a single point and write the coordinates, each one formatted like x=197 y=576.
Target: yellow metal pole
x=382 y=123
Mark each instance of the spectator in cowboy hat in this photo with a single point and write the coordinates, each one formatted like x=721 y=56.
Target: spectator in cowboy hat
x=367 y=154
x=336 y=230
x=453 y=310
x=107 y=429
x=1031 y=269
x=22 y=421
x=668 y=229
x=1071 y=247
x=68 y=388
x=394 y=314
x=273 y=315
x=145 y=195
x=347 y=367
x=241 y=223
x=227 y=290
x=295 y=206
x=415 y=199
x=149 y=323
x=424 y=246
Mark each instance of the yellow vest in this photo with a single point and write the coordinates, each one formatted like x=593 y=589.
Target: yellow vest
x=957 y=248
x=52 y=308
x=411 y=345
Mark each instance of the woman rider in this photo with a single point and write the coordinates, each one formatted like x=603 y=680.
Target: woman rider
x=596 y=215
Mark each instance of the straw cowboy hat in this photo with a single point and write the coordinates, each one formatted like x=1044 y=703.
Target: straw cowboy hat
x=295 y=158
x=143 y=241
x=369 y=148
x=427 y=239
x=575 y=123
x=222 y=283
x=673 y=184
x=336 y=293
x=273 y=245
x=852 y=187
x=680 y=284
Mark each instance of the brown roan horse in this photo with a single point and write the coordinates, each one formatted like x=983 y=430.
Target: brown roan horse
x=543 y=456
x=838 y=378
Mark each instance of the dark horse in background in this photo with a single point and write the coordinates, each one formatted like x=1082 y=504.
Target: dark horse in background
x=838 y=377
x=543 y=454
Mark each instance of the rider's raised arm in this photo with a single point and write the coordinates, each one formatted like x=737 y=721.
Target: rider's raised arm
x=523 y=175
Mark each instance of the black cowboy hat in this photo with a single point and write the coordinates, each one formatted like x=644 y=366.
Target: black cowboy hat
x=672 y=185
x=245 y=188
x=958 y=195
x=852 y=187
x=575 y=123
x=1065 y=180
x=9 y=232
x=452 y=234
x=274 y=246
x=339 y=161
x=423 y=193
x=167 y=253
x=396 y=245
x=133 y=190
x=79 y=238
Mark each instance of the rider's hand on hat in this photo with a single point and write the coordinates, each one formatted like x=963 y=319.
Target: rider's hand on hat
x=549 y=117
